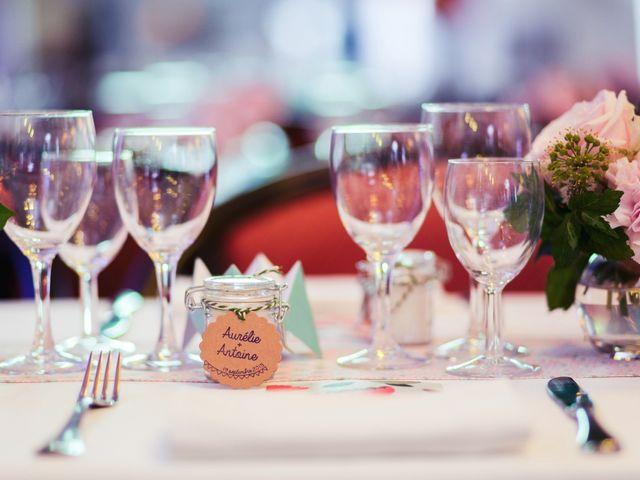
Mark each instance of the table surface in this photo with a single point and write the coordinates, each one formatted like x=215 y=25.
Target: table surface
x=127 y=441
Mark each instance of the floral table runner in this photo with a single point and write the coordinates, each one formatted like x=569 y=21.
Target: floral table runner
x=556 y=357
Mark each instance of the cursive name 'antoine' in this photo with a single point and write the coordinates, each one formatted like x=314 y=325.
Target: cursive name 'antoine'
x=236 y=352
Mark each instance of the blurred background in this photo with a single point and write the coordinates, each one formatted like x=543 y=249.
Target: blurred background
x=273 y=75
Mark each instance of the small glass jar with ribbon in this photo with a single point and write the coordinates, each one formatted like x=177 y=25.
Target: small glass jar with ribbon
x=244 y=335
x=415 y=275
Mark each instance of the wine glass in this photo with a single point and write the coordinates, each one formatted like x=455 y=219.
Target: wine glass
x=381 y=177
x=94 y=244
x=493 y=213
x=165 y=181
x=47 y=171
x=472 y=130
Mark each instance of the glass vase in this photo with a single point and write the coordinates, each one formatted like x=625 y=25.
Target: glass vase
x=608 y=304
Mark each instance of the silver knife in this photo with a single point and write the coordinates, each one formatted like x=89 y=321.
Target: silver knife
x=577 y=404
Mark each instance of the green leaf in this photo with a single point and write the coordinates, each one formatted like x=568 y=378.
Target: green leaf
x=564 y=241
x=552 y=216
x=601 y=203
x=596 y=222
x=615 y=249
x=526 y=206
x=5 y=214
x=517 y=214
x=573 y=231
x=562 y=282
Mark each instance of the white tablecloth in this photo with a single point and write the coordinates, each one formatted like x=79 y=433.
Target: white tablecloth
x=129 y=441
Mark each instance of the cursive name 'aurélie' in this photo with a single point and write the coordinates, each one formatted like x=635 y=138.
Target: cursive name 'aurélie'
x=241 y=337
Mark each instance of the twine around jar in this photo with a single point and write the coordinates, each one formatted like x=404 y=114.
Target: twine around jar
x=242 y=313
x=410 y=286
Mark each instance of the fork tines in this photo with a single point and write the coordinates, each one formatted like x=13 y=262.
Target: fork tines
x=98 y=394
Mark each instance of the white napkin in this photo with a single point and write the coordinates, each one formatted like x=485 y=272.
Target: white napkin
x=466 y=417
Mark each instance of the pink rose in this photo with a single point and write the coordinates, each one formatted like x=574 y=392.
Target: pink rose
x=607 y=117
x=624 y=175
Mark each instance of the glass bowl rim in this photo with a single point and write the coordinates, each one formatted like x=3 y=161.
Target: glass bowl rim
x=471 y=107
x=46 y=113
x=365 y=128
x=164 y=131
x=493 y=160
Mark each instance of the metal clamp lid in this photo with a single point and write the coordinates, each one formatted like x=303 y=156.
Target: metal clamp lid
x=233 y=285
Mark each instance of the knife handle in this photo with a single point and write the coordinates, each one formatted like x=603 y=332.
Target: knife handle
x=591 y=435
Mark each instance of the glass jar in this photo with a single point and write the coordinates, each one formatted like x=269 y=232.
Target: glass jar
x=412 y=302
x=240 y=294
x=608 y=301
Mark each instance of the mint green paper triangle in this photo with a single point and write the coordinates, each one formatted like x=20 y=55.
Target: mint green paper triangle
x=299 y=319
x=232 y=270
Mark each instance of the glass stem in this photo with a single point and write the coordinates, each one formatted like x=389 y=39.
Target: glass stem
x=493 y=323
x=382 y=336
x=477 y=308
x=165 y=276
x=43 y=339
x=89 y=298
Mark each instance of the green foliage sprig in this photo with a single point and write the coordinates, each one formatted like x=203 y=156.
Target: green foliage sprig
x=5 y=214
x=575 y=229
x=578 y=164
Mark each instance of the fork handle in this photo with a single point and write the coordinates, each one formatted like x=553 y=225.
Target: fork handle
x=74 y=421
x=68 y=441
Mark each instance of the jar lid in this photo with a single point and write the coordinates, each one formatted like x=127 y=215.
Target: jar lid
x=238 y=283
x=422 y=262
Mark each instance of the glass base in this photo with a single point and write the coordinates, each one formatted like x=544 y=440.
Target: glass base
x=624 y=356
x=82 y=346
x=163 y=363
x=487 y=367
x=466 y=347
x=381 y=359
x=42 y=363
x=515 y=349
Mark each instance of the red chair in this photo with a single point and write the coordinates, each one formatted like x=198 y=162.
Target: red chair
x=296 y=218
x=131 y=269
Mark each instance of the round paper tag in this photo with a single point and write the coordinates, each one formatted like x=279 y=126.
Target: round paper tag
x=241 y=353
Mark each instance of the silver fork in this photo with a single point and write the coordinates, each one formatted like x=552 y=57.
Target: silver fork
x=68 y=441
